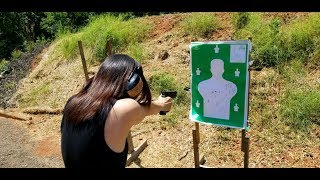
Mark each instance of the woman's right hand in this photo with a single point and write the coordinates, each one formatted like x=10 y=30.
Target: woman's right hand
x=165 y=103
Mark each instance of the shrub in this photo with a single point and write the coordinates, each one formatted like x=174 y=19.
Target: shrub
x=199 y=24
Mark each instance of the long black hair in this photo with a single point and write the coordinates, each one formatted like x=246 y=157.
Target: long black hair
x=107 y=86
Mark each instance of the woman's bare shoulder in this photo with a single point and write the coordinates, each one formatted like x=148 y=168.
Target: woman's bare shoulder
x=126 y=104
x=129 y=110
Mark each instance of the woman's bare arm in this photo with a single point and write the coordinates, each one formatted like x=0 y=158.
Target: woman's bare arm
x=126 y=113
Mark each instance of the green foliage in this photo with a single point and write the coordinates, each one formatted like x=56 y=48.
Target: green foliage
x=240 y=19
x=11 y=33
x=171 y=118
x=16 y=54
x=292 y=72
x=300 y=108
x=32 y=25
x=182 y=97
x=30 y=45
x=264 y=98
x=165 y=82
x=130 y=15
x=9 y=85
x=275 y=25
x=162 y=81
x=69 y=46
x=102 y=28
x=266 y=44
x=274 y=43
x=137 y=52
x=199 y=24
x=35 y=95
x=300 y=104
x=125 y=15
x=3 y=65
x=18 y=29
x=61 y=22
x=303 y=37
x=314 y=61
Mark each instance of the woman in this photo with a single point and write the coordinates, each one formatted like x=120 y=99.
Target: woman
x=96 y=121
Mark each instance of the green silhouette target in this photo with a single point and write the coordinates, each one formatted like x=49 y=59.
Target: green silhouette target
x=220 y=82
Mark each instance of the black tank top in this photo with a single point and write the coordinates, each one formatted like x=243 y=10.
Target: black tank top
x=83 y=144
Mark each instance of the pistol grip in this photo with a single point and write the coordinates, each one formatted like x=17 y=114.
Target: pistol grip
x=163 y=112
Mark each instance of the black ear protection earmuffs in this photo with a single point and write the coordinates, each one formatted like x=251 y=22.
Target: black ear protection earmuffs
x=134 y=84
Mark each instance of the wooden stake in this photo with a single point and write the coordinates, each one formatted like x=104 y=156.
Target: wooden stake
x=42 y=110
x=135 y=153
x=109 y=47
x=6 y=115
x=246 y=153
x=83 y=61
x=195 y=149
x=130 y=143
x=197 y=133
x=245 y=148
x=198 y=160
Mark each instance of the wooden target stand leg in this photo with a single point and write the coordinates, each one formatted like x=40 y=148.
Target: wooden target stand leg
x=198 y=160
x=245 y=148
x=133 y=153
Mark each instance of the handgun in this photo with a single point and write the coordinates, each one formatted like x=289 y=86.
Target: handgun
x=172 y=94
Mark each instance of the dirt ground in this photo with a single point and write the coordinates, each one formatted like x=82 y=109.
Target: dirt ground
x=36 y=143
x=20 y=150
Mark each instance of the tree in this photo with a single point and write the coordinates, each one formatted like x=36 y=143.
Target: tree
x=11 y=33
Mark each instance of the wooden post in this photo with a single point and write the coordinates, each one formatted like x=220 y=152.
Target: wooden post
x=6 y=115
x=135 y=153
x=130 y=143
x=198 y=160
x=195 y=149
x=246 y=152
x=109 y=47
x=197 y=132
x=83 y=61
x=245 y=148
